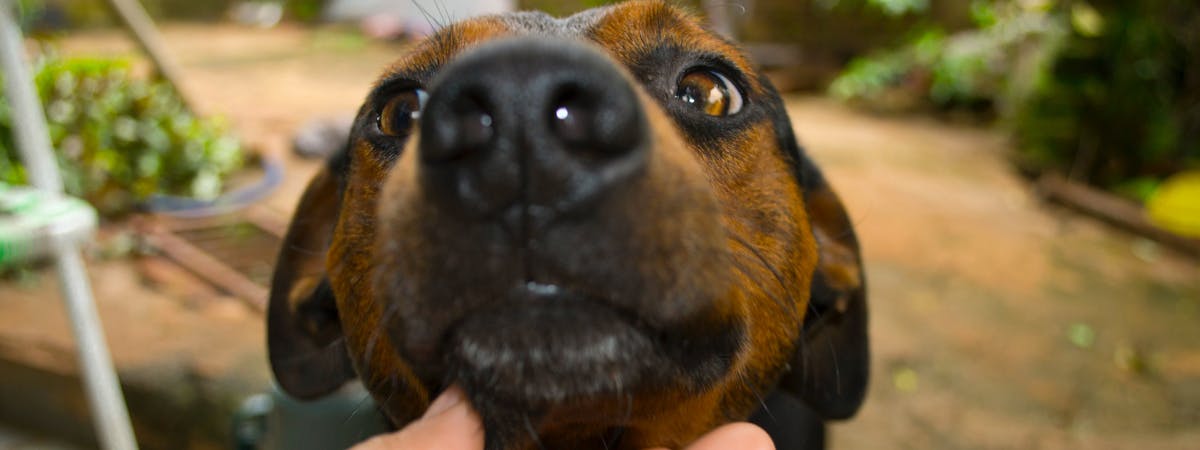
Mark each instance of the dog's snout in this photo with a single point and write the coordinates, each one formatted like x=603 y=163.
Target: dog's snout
x=532 y=124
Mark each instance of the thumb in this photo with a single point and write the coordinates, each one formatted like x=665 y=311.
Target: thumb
x=448 y=424
x=740 y=436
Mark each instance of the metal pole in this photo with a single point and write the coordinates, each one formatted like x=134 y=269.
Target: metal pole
x=110 y=416
x=138 y=23
x=29 y=126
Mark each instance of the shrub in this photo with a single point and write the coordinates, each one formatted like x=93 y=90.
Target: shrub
x=1119 y=107
x=1105 y=91
x=119 y=139
x=989 y=66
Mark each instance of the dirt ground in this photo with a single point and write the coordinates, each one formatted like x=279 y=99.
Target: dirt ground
x=997 y=322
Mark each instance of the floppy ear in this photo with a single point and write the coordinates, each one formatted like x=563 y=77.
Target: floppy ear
x=830 y=369
x=304 y=334
x=831 y=366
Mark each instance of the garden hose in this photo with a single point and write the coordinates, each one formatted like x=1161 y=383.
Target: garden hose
x=32 y=220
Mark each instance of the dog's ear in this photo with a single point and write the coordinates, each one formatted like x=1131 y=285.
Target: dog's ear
x=830 y=369
x=304 y=334
x=831 y=366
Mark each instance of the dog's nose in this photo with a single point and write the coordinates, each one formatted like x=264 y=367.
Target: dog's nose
x=528 y=130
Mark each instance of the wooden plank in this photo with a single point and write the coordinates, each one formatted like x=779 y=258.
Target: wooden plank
x=208 y=267
x=1113 y=210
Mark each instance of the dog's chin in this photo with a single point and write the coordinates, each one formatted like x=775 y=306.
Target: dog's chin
x=552 y=352
x=562 y=354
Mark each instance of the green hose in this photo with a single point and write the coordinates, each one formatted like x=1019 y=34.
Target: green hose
x=30 y=220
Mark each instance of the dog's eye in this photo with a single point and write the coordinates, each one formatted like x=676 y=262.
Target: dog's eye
x=710 y=92
x=401 y=112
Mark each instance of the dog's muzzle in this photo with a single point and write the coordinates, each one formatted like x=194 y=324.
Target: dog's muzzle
x=545 y=242
x=527 y=130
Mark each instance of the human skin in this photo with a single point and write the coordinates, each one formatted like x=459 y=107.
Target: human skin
x=451 y=424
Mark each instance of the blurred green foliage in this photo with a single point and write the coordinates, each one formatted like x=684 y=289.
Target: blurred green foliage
x=187 y=9
x=992 y=65
x=120 y=139
x=890 y=7
x=1120 y=106
x=304 y=10
x=1105 y=91
x=94 y=13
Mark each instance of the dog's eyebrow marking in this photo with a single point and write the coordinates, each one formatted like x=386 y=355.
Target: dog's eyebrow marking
x=439 y=48
x=631 y=31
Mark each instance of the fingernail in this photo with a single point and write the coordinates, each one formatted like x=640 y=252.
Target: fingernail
x=452 y=396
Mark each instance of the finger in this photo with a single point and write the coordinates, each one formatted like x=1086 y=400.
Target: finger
x=448 y=424
x=741 y=436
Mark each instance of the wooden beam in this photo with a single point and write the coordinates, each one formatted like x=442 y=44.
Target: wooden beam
x=139 y=24
x=1111 y=209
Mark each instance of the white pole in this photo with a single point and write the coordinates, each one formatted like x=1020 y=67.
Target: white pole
x=110 y=416
x=29 y=124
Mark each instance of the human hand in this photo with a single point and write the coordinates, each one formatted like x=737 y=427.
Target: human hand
x=451 y=424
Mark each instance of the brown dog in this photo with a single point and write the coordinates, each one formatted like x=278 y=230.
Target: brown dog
x=601 y=227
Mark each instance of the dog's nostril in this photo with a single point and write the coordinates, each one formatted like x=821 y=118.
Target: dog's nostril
x=573 y=122
x=470 y=127
x=476 y=129
x=596 y=120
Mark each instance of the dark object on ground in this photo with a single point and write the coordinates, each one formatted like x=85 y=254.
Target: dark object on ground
x=321 y=138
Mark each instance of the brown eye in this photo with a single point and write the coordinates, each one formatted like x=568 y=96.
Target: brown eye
x=401 y=112
x=710 y=92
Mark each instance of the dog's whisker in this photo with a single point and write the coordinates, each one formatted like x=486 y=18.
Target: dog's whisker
x=445 y=12
x=837 y=367
x=357 y=407
x=533 y=434
x=762 y=402
x=305 y=250
x=377 y=334
x=392 y=388
x=753 y=276
x=429 y=18
x=790 y=305
x=301 y=357
x=629 y=399
x=619 y=432
x=624 y=401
